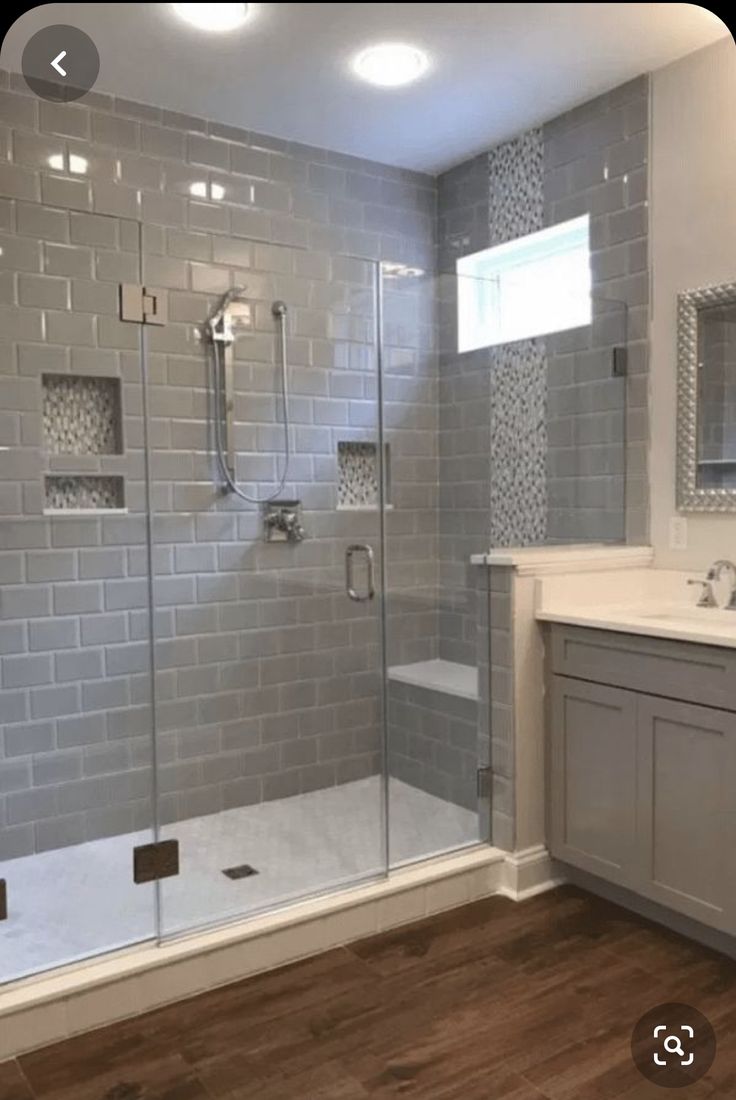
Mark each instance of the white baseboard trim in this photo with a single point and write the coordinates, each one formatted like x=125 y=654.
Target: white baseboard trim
x=529 y=872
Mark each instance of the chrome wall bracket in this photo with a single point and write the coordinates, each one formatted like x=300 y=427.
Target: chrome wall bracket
x=484 y=782
x=143 y=305
x=620 y=362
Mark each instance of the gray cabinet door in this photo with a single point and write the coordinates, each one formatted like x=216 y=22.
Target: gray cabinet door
x=687 y=808
x=593 y=779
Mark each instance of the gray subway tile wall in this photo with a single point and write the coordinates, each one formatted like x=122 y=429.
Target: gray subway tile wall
x=537 y=440
x=464 y=414
x=266 y=675
x=267 y=679
x=595 y=162
x=495 y=744
x=433 y=742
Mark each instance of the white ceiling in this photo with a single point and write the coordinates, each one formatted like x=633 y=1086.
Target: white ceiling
x=496 y=68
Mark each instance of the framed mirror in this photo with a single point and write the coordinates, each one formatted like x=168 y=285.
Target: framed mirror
x=706 y=399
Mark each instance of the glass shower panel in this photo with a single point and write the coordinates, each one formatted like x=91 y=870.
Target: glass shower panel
x=507 y=444
x=268 y=615
x=438 y=427
x=586 y=428
x=75 y=706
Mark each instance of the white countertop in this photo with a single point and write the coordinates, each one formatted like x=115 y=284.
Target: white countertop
x=654 y=602
x=580 y=557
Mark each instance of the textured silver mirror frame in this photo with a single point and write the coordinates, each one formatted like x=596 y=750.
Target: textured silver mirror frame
x=691 y=498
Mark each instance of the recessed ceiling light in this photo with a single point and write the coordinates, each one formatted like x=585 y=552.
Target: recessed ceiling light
x=391 y=64
x=213 y=17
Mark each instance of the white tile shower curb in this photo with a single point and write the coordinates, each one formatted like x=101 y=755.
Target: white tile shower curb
x=38 y=1011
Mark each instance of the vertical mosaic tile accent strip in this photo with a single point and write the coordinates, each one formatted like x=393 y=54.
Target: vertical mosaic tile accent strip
x=357 y=483
x=518 y=370
x=518 y=444
x=81 y=415
x=516 y=197
x=83 y=492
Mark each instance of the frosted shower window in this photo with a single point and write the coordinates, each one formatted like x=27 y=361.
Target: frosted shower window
x=533 y=285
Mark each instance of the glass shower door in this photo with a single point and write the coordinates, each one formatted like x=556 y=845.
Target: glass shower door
x=75 y=704
x=268 y=615
x=437 y=410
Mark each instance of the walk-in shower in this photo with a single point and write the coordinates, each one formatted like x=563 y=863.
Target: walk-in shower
x=245 y=657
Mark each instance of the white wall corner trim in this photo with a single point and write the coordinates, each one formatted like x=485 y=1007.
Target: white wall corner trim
x=529 y=872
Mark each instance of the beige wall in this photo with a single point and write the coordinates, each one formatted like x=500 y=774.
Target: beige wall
x=693 y=243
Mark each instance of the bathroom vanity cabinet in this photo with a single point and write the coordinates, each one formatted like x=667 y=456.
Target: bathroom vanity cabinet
x=642 y=766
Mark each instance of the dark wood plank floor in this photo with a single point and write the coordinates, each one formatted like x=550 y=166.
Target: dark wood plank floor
x=495 y=1001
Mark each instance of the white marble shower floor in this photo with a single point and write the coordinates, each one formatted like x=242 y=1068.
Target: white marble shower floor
x=75 y=902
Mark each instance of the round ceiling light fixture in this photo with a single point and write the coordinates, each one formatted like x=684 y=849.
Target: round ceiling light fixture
x=213 y=17
x=390 y=64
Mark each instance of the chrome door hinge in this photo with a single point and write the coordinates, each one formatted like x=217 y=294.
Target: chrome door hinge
x=484 y=781
x=620 y=362
x=3 y=899
x=144 y=305
x=154 y=861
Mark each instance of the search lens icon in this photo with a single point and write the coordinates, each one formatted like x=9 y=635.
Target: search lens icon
x=673 y=1049
x=673 y=1045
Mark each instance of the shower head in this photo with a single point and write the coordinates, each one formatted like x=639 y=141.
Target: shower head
x=219 y=323
x=231 y=295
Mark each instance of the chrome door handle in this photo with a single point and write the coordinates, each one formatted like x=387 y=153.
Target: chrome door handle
x=359 y=548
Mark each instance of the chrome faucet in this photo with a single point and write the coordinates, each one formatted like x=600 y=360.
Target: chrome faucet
x=707 y=596
x=714 y=574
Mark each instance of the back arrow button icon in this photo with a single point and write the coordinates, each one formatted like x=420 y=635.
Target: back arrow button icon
x=72 y=72
x=55 y=63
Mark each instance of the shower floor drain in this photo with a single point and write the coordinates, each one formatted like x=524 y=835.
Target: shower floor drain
x=244 y=870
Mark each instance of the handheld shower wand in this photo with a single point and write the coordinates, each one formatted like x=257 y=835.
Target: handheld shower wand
x=222 y=336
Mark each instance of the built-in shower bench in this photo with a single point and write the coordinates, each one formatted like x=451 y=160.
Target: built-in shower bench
x=438 y=675
x=433 y=728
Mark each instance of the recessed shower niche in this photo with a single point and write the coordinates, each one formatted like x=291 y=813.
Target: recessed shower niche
x=81 y=415
x=82 y=418
x=358 y=475
x=84 y=493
